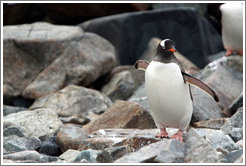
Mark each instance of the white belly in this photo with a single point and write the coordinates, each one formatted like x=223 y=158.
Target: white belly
x=232 y=26
x=168 y=95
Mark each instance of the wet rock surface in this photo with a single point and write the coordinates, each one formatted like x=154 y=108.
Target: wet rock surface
x=86 y=103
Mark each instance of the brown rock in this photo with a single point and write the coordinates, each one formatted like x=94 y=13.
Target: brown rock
x=70 y=137
x=212 y=124
x=122 y=114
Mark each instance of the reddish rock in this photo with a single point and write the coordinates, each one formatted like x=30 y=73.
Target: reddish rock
x=70 y=137
x=122 y=114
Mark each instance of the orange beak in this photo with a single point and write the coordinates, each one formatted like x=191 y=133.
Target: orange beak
x=173 y=50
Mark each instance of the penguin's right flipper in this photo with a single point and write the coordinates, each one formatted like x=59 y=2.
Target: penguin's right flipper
x=200 y=84
x=141 y=64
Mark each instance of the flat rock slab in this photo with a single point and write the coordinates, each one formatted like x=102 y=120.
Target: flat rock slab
x=148 y=153
x=133 y=138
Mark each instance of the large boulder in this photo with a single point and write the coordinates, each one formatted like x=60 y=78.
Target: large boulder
x=51 y=57
x=131 y=32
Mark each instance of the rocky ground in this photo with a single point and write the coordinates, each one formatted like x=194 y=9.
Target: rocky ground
x=68 y=98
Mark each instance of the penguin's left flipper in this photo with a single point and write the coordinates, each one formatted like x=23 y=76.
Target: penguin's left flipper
x=200 y=84
x=141 y=64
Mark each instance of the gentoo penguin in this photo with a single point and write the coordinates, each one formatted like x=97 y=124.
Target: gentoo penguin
x=168 y=90
x=232 y=27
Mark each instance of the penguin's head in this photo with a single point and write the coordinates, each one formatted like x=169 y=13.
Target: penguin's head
x=166 y=47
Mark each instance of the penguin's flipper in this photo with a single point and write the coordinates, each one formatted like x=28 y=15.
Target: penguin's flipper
x=141 y=64
x=200 y=84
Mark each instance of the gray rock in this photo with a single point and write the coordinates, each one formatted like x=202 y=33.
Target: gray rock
x=240 y=144
x=70 y=137
x=39 y=123
x=198 y=150
x=236 y=134
x=204 y=107
x=118 y=151
x=10 y=109
x=35 y=46
x=235 y=62
x=15 y=144
x=139 y=96
x=74 y=101
x=217 y=139
x=89 y=155
x=224 y=80
x=50 y=147
x=236 y=121
x=175 y=153
x=236 y=104
x=23 y=155
x=104 y=157
x=47 y=159
x=120 y=87
x=70 y=155
x=130 y=47
x=149 y=152
x=83 y=61
x=240 y=159
x=29 y=156
x=216 y=56
x=232 y=156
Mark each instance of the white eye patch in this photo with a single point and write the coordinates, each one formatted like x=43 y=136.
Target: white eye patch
x=163 y=45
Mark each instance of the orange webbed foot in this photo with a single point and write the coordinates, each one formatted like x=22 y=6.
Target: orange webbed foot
x=178 y=136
